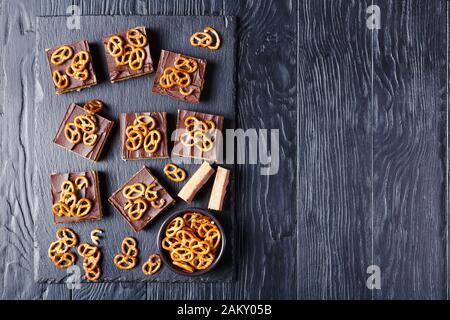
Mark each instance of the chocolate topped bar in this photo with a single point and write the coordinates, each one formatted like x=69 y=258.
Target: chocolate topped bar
x=122 y=63
x=198 y=135
x=92 y=149
x=80 y=197
x=71 y=67
x=179 y=76
x=144 y=135
x=141 y=199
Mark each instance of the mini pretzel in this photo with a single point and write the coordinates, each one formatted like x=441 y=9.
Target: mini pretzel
x=133 y=191
x=151 y=141
x=182 y=254
x=57 y=248
x=95 y=235
x=174 y=173
x=146 y=120
x=64 y=260
x=124 y=58
x=124 y=262
x=68 y=235
x=61 y=55
x=206 y=39
x=69 y=199
x=137 y=58
x=136 y=209
x=85 y=123
x=158 y=204
x=134 y=140
x=60 y=80
x=138 y=127
x=185 y=92
x=115 y=46
x=187 y=139
x=81 y=75
x=201 y=39
x=175 y=225
x=93 y=106
x=92 y=260
x=81 y=182
x=129 y=247
x=213 y=237
x=93 y=274
x=202 y=142
x=80 y=60
x=184 y=266
x=152 y=265
x=72 y=133
x=61 y=209
x=89 y=139
x=67 y=186
x=170 y=243
x=86 y=250
x=186 y=64
x=136 y=38
x=83 y=207
x=150 y=194
x=199 y=247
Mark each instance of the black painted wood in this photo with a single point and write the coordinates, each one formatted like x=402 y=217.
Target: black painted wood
x=370 y=159
x=334 y=151
x=218 y=97
x=410 y=89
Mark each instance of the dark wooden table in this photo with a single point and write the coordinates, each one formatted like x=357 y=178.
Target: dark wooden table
x=363 y=120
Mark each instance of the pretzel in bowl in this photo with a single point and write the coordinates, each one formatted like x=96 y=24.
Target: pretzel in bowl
x=129 y=252
x=152 y=265
x=191 y=241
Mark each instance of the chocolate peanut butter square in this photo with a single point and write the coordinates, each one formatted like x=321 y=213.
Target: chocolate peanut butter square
x=198 y=135
x=71 y=67
x=128 y=54
x=82 y=132
x=75 y=197
x=144 y=135
x=179 y=76
x=141 y=199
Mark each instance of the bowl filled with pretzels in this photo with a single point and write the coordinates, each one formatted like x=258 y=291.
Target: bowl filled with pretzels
x=191 y=242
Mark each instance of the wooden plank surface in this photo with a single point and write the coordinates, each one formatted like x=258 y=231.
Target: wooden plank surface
x=334 y=150
x=372 y=179
x=409 y=85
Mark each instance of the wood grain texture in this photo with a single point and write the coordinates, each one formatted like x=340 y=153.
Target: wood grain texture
x=409 y=150
x=334 y=150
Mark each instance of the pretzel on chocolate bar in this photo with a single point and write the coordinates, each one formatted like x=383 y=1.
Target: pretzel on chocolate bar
x=61 y=55
x=136 y=38
x=115 y=46
x=60 y=80
x=80 y=60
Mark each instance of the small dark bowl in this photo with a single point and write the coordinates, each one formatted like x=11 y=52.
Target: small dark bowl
x=165 y=255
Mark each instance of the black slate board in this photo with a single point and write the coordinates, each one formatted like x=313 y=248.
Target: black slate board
x=171 y=33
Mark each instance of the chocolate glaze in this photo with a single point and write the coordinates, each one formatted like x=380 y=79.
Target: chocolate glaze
x=180 y=149
x=91 y=192
x=167 y=59
x=118 y=72
x=90 y=152
x=74 y=83
x=127 y=119
x=118 y=200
